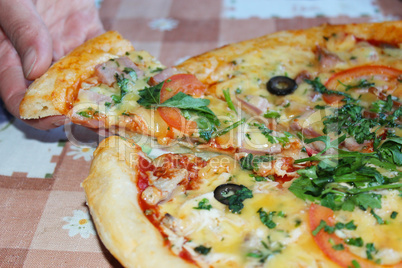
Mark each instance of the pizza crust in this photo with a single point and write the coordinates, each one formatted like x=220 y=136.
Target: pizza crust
x=54 y=92
x=214 y=66
x=112 y=197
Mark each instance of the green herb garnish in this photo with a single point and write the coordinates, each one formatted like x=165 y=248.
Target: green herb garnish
x=204 y=204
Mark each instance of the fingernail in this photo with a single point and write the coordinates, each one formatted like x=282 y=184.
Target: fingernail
x=29 y=61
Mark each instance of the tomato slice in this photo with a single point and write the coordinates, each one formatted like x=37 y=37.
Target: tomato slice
x=332 y=98
x=362 y=72
x=188 y=84
x=358 y=73
x=342 y=257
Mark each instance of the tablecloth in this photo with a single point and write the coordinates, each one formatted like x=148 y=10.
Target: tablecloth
x=44 y=221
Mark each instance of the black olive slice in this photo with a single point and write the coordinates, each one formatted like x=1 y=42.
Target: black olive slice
x=281 y=85
x=222 y=192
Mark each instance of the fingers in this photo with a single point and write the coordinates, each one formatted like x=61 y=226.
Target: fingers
x=28 y=34
x=13 y=85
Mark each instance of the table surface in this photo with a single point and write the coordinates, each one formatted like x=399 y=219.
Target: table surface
x=44 y=221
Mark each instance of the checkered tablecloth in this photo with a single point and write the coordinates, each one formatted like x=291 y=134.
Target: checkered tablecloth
x=44 y=221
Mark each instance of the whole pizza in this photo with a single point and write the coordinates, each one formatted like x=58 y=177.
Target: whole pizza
x=280 y=151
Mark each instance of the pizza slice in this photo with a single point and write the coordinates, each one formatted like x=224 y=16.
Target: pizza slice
x=259 y=96
x=179 y=210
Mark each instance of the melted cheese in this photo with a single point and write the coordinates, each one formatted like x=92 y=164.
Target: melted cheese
x=233 y=238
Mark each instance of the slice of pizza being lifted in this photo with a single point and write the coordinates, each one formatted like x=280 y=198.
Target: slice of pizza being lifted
x=105 y=83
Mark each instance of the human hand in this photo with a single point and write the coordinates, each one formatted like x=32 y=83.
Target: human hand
x=32 y=35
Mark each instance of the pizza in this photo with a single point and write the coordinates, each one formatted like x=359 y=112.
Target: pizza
x=292 y=148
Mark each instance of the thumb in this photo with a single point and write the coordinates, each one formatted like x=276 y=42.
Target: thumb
x=28 y=34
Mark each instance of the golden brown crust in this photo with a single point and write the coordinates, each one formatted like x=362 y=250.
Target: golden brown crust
x=112 y=198
x=213 y=66
x=54 y=92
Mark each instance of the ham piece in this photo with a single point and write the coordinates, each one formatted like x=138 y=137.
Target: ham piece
x=326 y=59
x=162 y=76
x=255 y=105
x=107 y=71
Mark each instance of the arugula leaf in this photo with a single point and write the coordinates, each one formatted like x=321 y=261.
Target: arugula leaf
x=150 y=96
x=190 y=107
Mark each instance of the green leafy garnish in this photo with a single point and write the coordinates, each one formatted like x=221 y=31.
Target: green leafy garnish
x=202 y=250
x=85 y=114
x=357 y=242
x=345 y=180
x=272 y=114
x=131 y=72
x=267 y=218
x=204 y=204
x=228 y=99
x=229 y=128
x=393 y=215
x=319 y=87
x=268 y=249
x=370 y=248
x=206 y=119
x=272 y=139
x=157 y=70
x=235 y=201
x=361 y=84
x=338 y=247
x=251 y=162
x=378 y=218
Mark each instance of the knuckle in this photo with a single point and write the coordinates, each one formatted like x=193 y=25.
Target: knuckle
x=22 y=31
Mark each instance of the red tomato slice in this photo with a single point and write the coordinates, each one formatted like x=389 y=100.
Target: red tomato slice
x=357 y=73
x=361 y=72
x=342 y=257
x=188 y=84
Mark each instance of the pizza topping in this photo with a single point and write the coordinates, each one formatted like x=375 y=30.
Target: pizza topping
x=176 y=107
x=348 y=179
x=122 y=67
x=162 y=188
x=331 y=96
x=254 y=105
x=281 y=85
x=162 y=76
x=232 y=195
x=326 y=59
